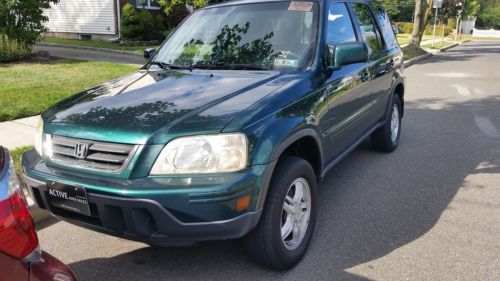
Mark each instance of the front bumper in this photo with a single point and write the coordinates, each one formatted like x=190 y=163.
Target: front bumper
x=157 y=211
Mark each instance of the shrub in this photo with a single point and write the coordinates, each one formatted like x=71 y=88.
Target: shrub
x=439 y=30
x=176 y=15
x=21 y=23
x=452 y=23
x=12 y=50
x=405 y=27
x=141 y=26
x=131 y=27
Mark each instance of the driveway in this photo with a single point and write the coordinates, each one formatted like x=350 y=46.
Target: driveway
x=429 y=211
x=86 y=54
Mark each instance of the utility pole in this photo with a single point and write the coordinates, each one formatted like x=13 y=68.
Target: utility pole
x=436 y=5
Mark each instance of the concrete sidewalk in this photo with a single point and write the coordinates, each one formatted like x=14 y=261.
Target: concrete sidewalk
x=429 y=41
x=17 y=133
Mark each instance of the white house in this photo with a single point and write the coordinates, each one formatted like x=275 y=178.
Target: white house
x=90 y=19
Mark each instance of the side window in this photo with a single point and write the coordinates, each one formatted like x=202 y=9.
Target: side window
x=384 y=22
x=369 y=30
x=339 y=25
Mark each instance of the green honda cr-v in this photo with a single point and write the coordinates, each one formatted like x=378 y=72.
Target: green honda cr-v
x=227 y=128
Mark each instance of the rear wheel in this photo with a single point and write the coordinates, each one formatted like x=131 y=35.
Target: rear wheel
x=386 y=138
x=282 y=236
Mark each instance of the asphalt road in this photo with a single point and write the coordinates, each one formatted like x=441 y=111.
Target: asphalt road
x=429 y=211
x=86 y=54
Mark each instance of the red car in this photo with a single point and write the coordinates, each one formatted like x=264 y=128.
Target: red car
x=20 y=254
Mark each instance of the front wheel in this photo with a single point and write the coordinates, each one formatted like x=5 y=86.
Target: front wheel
x=282 y=236
x=386 y=138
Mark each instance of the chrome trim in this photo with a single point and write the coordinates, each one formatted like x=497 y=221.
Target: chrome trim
x=80 y=163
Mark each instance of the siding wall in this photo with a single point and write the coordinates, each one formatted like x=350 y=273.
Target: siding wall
x=83 y=16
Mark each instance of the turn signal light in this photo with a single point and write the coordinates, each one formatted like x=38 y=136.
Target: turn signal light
x=242 y=203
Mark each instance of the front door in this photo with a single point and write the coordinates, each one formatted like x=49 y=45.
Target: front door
x=345 y=89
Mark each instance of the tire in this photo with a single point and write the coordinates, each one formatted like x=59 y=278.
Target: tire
x=385 y=138
x=265 y=243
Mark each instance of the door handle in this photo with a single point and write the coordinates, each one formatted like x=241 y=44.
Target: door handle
x=390 y=64
x=365 y=75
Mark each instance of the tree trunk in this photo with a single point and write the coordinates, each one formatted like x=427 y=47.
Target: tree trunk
x=421 y=13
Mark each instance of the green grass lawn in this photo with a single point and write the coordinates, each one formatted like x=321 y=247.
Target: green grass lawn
x=438 y=45
x=404 y=38
x=28 y=88
x=16 y=157
x=409 y=53
x=96 y=44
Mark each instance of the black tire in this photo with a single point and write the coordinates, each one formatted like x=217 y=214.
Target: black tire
x=381 y=139
x=264 y=244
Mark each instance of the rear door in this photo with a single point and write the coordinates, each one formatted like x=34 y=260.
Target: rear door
x=380 y=63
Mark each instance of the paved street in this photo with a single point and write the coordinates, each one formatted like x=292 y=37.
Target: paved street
x=84 y=54
x=429 y=211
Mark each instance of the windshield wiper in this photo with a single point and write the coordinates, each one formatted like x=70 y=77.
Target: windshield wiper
x=168 y=66
x=232 y=66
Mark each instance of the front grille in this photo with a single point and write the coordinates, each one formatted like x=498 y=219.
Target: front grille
x=102 y=156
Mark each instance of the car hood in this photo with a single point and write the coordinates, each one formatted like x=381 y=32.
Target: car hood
x=154 y=106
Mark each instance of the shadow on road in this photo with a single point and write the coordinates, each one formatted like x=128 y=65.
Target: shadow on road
x=370 y=205
x=468 y=51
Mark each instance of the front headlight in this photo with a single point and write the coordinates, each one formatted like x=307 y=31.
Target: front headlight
x=39 y=137
x=203 y=154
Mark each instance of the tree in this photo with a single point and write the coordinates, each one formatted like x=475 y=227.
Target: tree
x=421 y=14
x=469 y=8
x=488 y=15
x=170 y=4
x=399 y=10
x=22 y=21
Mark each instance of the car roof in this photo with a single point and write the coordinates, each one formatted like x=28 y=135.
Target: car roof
x=241 y=2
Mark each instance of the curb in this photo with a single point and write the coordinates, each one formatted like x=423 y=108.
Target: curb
x=48 y=44
x=416 y=59
x=422 y=57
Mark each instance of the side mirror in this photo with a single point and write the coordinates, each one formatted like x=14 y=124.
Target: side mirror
x=346 y=53
x=149 y=53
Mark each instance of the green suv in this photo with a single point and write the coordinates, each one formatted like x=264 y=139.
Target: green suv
x=226 y=130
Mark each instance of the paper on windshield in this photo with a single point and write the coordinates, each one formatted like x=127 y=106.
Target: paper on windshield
x=300 y=6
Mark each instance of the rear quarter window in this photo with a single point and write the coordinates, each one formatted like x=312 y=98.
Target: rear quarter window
x=384 y=23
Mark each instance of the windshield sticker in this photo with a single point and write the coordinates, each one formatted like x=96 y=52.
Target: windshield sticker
x=286 y=63
x=300 y=6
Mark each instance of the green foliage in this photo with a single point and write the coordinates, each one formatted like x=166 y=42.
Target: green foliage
x=131 y=28
x=405 y=27
x=399 y=10
x=439 y=30
x=470 y=8
x=12 y=50
x=176 y=15
x=170 y=5
x=22 y=21
x=452 y=23
x=141 y=26
x=488 y=15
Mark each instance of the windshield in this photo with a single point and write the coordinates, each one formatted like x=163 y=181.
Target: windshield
x=278 y=35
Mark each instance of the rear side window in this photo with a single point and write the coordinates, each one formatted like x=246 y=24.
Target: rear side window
x=369 y=30
x=384 y=23
x=340 y=27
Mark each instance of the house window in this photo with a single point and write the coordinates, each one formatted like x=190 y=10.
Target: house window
x=146 y=4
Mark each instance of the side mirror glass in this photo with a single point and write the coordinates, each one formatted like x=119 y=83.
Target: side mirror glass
x=346 y=53
x=149 y=53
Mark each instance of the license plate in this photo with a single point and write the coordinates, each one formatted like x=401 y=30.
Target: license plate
x=69 y=197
